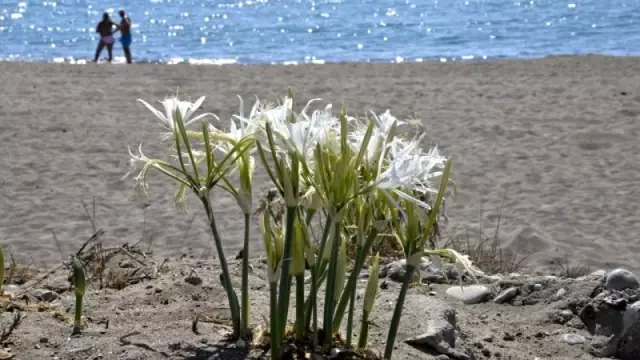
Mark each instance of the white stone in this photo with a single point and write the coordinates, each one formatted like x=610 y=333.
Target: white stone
x=469 y=294
x=573 y=339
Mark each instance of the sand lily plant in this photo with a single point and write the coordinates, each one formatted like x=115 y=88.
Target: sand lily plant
x=356 y=176
x=199 y=166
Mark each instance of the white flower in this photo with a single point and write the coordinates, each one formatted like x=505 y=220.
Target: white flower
x=386 y=121
x=138 y=162
x=298 y=136
x=405 y=169
x=379 y=137
x=172 y=107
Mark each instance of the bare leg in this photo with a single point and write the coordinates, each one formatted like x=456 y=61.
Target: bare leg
x=127 y=54
x=110 y=51
x=98 y=51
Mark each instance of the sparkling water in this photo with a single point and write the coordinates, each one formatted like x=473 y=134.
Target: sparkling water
x=295 y=31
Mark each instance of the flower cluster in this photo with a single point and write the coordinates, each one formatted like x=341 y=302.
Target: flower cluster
x=358 y=173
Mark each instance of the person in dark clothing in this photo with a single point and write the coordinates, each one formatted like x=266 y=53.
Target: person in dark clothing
x=105 y=29
x=125 y=31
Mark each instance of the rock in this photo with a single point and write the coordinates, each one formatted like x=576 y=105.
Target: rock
x=470 y=294
x=396 y=271
x=506 y=295
x=449 y=273
x=44 y=295
x=5 y=355
x=537 y=287
x=621 y=279
x=573 y=339
x=625 y=345
x=603 y=314
x=561 y=293
x=193 y=280
x=58 y=284
x=441 y=336
x=442 y=357
x=629 y=347
x=11 y=289
x=562 y=317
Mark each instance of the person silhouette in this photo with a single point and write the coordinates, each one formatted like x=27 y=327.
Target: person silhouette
x=125 y=31
x=105 y=29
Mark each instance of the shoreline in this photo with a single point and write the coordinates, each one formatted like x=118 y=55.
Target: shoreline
x=233 y=62
x=544 y=147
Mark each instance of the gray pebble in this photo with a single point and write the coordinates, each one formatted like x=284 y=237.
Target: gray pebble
x=573 y=339
x=537 y=287
x=506 y=295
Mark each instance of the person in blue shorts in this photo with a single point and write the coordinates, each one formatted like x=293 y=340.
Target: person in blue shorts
x=125 y=34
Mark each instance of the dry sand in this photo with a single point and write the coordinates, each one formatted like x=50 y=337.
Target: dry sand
x=555 y=138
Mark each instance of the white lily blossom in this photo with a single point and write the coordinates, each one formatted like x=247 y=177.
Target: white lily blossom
x=386 y=121
x=173 y=106
x=139 y=162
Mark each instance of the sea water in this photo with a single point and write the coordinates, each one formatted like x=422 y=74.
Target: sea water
x=299 y=31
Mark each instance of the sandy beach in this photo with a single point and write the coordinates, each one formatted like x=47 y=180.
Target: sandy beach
x=555 y=139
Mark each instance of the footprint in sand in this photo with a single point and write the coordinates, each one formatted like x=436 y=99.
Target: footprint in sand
x=597 y=140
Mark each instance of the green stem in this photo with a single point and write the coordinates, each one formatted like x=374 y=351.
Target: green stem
x=397 y=313
x=311 y=302
x=275 y=340
x=246 y=310
x=285 y=278
x=77 y=323
x=353 y=278
x=364 y=330
x=300 y=320
x=231 y=296
x=314 y=307
x=329 y=302
x=350 y=319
